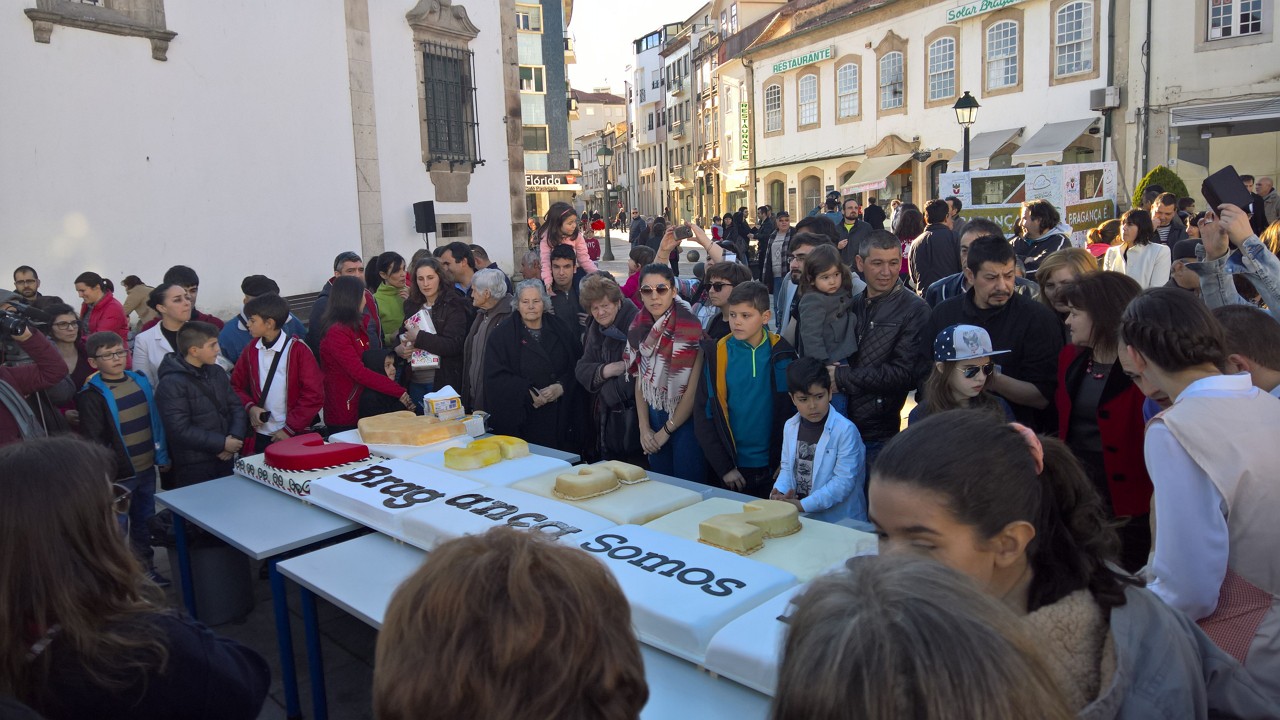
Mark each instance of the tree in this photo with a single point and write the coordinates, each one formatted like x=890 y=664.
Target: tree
x=1165 y=178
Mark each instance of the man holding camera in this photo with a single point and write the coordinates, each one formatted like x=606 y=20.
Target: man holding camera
x=45 y=369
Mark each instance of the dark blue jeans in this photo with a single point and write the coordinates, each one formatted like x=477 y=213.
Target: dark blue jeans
x=142 y=506
x=682 y=456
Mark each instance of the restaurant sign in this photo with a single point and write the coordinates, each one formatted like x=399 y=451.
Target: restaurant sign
x=808 y=58
x=744 y=131
x=974 y=9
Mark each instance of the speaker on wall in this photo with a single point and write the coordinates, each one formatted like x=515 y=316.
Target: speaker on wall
x=424 y=216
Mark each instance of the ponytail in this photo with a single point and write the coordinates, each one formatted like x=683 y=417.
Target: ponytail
x=1095 y=236
x=988 y=475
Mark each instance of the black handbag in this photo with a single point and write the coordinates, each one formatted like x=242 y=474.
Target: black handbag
x=620 y=430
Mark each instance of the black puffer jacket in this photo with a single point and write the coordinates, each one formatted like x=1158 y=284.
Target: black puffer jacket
x=890 y=362
x=199 y=410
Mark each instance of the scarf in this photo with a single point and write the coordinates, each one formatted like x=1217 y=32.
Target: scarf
x=661 y=354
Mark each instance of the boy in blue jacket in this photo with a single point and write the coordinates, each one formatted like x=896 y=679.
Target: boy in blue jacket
x=118 y=411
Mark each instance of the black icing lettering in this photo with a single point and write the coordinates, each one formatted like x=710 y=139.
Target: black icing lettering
x=663 y=560
x=524 y=520
x=708 y=576
x=366 y=474
x=413 y=497
x=603 y=541
x=400 y=488
x=723 y=588
x=560 y=529
x=629 y=550
x=497 y=510
x=466 y=502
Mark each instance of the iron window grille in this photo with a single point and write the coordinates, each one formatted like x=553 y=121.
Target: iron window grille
x=453 y=133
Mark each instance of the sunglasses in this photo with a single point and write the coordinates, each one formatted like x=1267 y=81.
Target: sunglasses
x=970 y=373
x=660 y=290
x=123 y=498
x=718 y=286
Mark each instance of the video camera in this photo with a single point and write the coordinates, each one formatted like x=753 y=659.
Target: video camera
x=19 y=317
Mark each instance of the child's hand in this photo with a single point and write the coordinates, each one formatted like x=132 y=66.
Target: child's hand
x=734 y=480
x=831 y=372
x=407 y=402
x=775 y=495
x=255 y=416
x=232 y=445
x=279 y=435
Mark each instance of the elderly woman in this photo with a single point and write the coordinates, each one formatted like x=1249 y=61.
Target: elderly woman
x=528 y=363
x=603 y=371
x=493 y=305
x=431 y=290
x=664 y=356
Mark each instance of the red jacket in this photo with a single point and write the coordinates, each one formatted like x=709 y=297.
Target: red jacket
x=303 y=391
x=107 y=315
x=345 y=376
x=1122 y=428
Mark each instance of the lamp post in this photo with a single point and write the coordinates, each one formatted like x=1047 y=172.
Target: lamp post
x=605 y=156
x=966 y=113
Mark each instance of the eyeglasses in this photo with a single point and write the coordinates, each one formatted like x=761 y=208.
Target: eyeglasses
x=971 y=372
x=649 y=291
x=123 y=498
x=117 y=355
x=718 y=286
x=25 y=282
x=65 y=324
x=788 y=258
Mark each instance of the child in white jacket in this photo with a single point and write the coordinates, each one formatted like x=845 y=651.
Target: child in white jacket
x=823 y=470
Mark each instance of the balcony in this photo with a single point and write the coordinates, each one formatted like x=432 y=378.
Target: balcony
x=710 y=89
x=677 y=86
x=575 y=161
x=676 y=129
x=569 y=56
x=571 y=106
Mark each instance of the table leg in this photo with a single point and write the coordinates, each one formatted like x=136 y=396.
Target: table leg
x=284 y=639
x=315 y=660
x=184 y=564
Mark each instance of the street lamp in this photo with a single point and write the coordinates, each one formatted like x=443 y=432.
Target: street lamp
x=605 y=156
x=966 y=114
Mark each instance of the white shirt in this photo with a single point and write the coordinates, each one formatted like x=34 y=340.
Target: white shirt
x=1192 y=544
x=274 y=402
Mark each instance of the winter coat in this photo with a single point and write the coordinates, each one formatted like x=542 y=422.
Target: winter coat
x=106 y=315
x=235 y=337
x=149 y=350
x=839 y=470
x=892 y=358
x=375 y=403
x=46 y=370
x=315 y=324
x=136 y=301
x=604 y=346
x=1033 y=252
x=303 y=384
x=710 y=410
x=515 y=363
x=854 y=234
x=346 y=377
x=390 y=312
x=199 y=410
x=1148 y=264
x=100 y=421
x=875 y=217
x=474 y=350
x=933 y=256
x=451 y=320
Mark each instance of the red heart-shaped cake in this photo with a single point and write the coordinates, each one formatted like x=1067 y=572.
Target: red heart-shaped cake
x=311 y=452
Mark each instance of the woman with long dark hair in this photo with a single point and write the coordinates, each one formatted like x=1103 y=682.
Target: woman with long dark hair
x=1140 y=255
x=390 y=290
x=431 y=290
x=342 y=358
x=83 y=633
x=910 y=225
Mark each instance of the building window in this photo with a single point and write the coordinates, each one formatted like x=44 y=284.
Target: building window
x=454 y=230
x=650 y=121
x=807 y=93
x=810 y=192
x=733 y=18
x=1073 y=33
x=1002 y=55
x=773 y=109
x=777 y=194
x=847 y=91
x=533 y=78
x=1231 y=18
x=529 y=18
x=535 y=139
x=452 y=130
x=942 y=69
x=935 y=177
x=891 y=95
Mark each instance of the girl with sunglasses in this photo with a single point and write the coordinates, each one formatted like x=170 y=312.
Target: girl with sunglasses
x=664 y=355
x=83 y=632
x=1100 y=408
x=962 y=370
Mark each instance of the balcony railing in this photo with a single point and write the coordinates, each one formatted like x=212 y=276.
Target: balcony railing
x=676 y=129
x=569 y=55
x=676 y=86
x=710 y=89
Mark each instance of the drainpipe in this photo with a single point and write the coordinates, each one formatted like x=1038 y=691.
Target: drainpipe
x=1111 y=74
x=751 y=128
x=1146 y=95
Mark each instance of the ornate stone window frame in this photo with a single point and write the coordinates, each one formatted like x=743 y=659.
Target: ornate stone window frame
x=943 y=32
x=129 y=18
x=1016 y=16
x=891 y=43
x=841 y=63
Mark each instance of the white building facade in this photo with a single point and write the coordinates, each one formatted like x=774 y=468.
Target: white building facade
x=245 y=141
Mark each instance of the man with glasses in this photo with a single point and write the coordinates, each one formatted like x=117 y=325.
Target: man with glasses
x=26 y=283
x=346 y=263
x=639 y=229
x=1027 y=376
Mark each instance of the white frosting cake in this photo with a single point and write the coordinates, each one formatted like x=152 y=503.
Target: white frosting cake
x=402 y=452
x=805 y=554
x=476 y=512
x=504 y=472
x=633 y=504
x=749 y=649
x=381 y=494
x=682 y=592
x=293 y=482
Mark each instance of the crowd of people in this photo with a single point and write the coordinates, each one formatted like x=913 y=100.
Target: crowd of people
x=1065 y=399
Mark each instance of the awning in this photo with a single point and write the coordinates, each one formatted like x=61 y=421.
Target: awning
x=1225 y=112
x=871 y=174
x=1049 y=142
x=984 y=145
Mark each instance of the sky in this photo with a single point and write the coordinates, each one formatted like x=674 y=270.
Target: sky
x=604 y=29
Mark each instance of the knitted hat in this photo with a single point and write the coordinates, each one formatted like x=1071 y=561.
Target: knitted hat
x=256 y=285
x=963 y=342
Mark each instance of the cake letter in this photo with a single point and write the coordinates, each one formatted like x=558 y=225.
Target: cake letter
x=587 y=482
x=405 y=428
x=745 y=532
x=310 y=452
x=485 y=451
